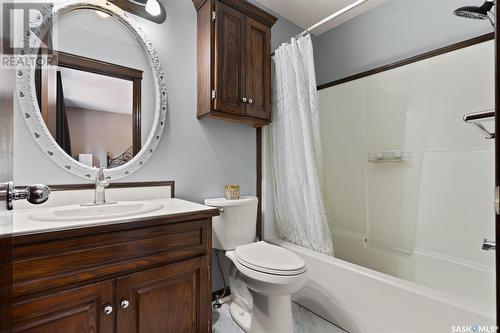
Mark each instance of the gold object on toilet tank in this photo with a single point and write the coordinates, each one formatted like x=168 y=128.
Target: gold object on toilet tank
x=232 y=192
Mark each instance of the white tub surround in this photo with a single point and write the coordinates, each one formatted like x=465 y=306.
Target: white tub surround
x=424 y=218
x=359 y=299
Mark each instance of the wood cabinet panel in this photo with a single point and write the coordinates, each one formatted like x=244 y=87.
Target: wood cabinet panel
x=229 y=42
x=77 y=310
x=168 y=299
x=258 y=69
x=234 y=60
x=58 y=263
x=204 y=65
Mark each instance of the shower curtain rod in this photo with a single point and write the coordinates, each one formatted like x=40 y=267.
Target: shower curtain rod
x=329 y=18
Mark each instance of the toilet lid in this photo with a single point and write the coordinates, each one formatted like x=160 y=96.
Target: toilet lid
x=271 y=259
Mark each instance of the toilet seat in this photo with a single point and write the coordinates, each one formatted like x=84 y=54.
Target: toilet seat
x=269 y=259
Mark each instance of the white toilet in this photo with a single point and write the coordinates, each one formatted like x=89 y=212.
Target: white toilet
x=263 y=275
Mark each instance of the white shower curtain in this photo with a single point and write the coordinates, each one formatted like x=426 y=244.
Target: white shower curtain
x=296 y=149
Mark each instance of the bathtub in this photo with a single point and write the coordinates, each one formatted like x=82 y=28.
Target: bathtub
x=359 y=299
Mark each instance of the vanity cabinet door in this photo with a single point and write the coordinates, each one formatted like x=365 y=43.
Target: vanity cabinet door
x=258 y=69
x=229 y=42
x=80 y=310
x=168 y=299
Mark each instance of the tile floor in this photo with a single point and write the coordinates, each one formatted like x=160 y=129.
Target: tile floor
x=304 y=322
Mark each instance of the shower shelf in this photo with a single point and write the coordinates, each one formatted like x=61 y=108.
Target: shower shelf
x=478 y=118
x=392 y=156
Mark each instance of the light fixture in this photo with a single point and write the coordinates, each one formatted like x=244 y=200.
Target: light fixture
x=153 y=7
x=152 y=10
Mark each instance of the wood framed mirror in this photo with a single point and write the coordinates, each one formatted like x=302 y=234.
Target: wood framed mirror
x=126 y=104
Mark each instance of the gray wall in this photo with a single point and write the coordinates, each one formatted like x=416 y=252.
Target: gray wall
x=283 y=31
x=201 y=156
x=395 y=30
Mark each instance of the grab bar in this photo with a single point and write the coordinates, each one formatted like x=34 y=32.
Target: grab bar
x=476 y=119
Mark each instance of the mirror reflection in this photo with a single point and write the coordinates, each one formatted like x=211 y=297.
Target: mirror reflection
x=98 y=100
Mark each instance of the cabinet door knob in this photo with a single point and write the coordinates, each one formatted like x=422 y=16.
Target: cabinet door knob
x=124 y=303
x=244 y=99
x=250 y=101
x=108 y=309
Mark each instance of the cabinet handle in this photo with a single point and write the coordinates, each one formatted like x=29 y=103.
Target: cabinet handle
x=244 y=99
x=124 y=303
x=250 y=101
x=108 y=309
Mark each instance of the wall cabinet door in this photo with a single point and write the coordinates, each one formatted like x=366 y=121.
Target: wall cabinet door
x=79 y=310
x=167 y=299
x=258 y=69
x=229 y=43
x=234 y=61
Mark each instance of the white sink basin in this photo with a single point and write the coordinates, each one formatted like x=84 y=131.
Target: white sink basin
x=90 y=213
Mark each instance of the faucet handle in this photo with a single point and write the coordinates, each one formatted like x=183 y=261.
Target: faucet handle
x=488 y=245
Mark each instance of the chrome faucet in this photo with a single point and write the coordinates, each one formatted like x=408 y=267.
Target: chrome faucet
x=100 y=188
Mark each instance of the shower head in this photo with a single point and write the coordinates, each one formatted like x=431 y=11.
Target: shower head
x=476 y=12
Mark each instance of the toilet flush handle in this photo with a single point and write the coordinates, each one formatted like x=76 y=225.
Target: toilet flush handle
x=223 y=210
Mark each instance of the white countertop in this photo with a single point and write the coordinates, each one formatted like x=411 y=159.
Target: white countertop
x=23 y=224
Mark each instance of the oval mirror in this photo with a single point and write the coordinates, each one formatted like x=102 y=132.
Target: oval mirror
x=95 y=97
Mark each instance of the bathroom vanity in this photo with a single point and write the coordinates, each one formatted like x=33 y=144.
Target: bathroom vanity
x=141 y=264
x=149 y=273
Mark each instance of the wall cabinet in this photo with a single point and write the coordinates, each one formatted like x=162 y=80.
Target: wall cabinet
x=143 y=277
x=234 y=61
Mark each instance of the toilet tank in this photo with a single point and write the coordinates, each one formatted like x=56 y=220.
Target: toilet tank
x=236 y=224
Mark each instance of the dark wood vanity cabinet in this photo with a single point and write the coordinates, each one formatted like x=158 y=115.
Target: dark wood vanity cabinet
x=75 y=310
x=234 y=61
x=142 y=277
x=164 y=299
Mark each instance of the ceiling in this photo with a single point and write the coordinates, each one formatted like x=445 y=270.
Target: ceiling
x=89 y=91
x=305 y=13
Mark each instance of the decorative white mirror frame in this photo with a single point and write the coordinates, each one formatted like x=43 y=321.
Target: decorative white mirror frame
x=26 y=93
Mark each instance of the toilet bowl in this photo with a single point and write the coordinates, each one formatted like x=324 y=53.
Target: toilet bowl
x=263 y=276
x=272 y=274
